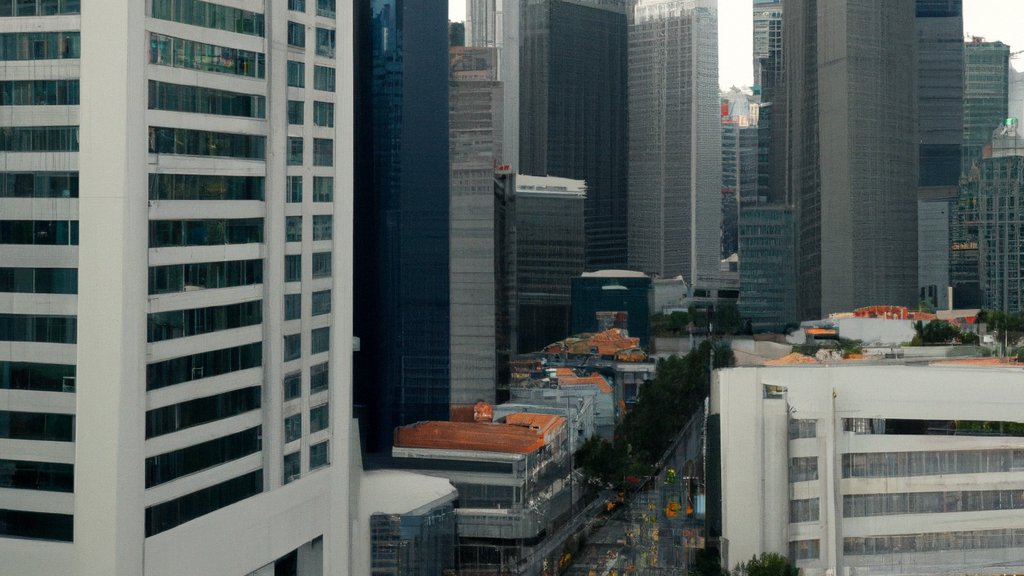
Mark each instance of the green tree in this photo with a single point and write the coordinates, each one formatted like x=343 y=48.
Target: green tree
x=728 y=319
x=769 y=564
x=707 y=564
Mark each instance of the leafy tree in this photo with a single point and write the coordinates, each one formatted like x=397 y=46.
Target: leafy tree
x=769 y=564
x=940 y=332
x=707 y=563
x=728 y=318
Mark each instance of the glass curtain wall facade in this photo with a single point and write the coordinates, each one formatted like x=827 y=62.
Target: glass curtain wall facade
x=986 y=95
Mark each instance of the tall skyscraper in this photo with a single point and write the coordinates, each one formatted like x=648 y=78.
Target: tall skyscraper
x=767 y=38
x=402 y=220
x=175 y=271
x=675 y=140
x=853 y=152
x=572 y=111
x=739 y=162
x=986 y=95
x=999 y=177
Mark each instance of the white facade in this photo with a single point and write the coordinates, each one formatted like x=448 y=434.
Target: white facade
x=208 y=380
x=857 y=470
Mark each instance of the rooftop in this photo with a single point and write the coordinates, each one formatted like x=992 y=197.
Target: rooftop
x=615 y=274
x=522 y=435
x=550 y=184
x=593 y=380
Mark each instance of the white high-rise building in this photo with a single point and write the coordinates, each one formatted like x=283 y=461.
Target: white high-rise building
x=175 y=288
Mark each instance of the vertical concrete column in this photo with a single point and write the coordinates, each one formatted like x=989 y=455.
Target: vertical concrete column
x=113 y=259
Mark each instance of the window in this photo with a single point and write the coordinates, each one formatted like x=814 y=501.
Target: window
x=292 y=466
x=321 y=302
x=39 y=232
x=322 y=227
x=321 y=265
x=295 y=112
x=296 y=35
x=292 y=428
x=40 y=46
x=325 y=8
x=294 y=189
x=207 y=15
x=295 y=151
x=323 y=152
x=39 y=92
x=38 y=184
x=204 y=275
x=803 y=469
x=292 y=306
x=39 y=280
x=323 y=78
x=203 y=143
x=325 y=42
x=804 y=550
x=165 y=233
x=803 y=510
x=803 y=429
x=204 y=187
x=37 y=377
x=318 y=455
x=192 y=55
x=38 y=8
x=199 y=100
x=319 y=418
x=318 y=376
x=37 y=525
x=184 y=323
x=323 y=114
x=293 y=228
x=163 y=517
x=37 y=426
x=292 y=347
x=297 y=5
x=191 y=413
x=39 y=139
x=292 y=385
x=296 y=74
x=173 y=465
x=321 y=340
x=293 y=268
x=323 y=189
x=203 y=365
x=45 y=476
x=44 y=329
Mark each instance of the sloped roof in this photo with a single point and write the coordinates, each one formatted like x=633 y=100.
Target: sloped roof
x=482 y=436
x=794 y=358
x=594 y=379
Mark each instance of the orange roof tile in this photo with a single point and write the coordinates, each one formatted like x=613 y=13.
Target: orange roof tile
x=794 y=358
x=594 y=379
x=543 y=423
x=483 y=436
x=980 y=362
x=562 y=371
x=608 y=343
x=461 y=414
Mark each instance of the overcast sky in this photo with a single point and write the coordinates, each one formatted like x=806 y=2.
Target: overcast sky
x=993 y=19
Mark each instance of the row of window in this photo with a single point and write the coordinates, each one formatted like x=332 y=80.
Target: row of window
x=318 y=381
x=194 y=322
x=325 y=8
x=208 y=15
x=324 y=78
x=319 y=419
x=861 y=505
x=323 y=189
x=323 y=113
x=205 y=187
x=169 y=419
x=37 y=377
x=293 y=266
x=322 y=227
x=179 y=53
x=39 y=232
x=203 y=365
x=39 y=139
x=37 y=525
x=39 y=280
x=37 y=426
x=33 y=328
x=204 y=275
x=46 y=476
x=205 y=143
x=163 y=517
x=39 y=7
x=320 y=341
x=323 y=151
x=40 y=46
x=39 y=92
x=904 y=464
x=325 y=39
x=935 y=542
x=178 y=463
x=38 y=184
x=165 y=233
x=200 y=100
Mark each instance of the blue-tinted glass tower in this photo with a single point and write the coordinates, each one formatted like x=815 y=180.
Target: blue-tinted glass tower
x=401 y=287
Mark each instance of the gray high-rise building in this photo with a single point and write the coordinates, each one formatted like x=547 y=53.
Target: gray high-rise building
x=853 y=152
x=572 y=111
x=986 y=95
x=999 y=177
x=675 y=160
x=767 y=38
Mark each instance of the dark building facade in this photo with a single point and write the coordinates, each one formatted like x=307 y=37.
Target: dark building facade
x=401 y=285
x=573 y=111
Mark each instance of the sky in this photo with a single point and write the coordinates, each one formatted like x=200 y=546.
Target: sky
x=992 y=19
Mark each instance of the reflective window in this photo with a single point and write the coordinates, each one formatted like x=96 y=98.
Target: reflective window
x=295 y=151
x=862 y=505
x=37 y=525
x=38 y=184
x=803 y=510
x=296 y=74
x=39 y=280
x=39 y=92
x=292 y=306
x=325 y=8
x=204 y=187
x=292 y=347
x=321 y=265
x=191 y=413
x=39 y=232
x=33 y=328
x=318 y=455
x=40 y=46
x=46 y=476
x=173 y=465
x=323 y=152
x=203 y=365
x=183 y=323
x=805 y=550
x=36 y=376
x=292 y=385
x=292 y=428
x=296 y=112
x=199 y=100
x=294 y=189
x=321 y=340
x=296 y=35
x=323 y=78
x=323 y=189
x=208 y=15
x=203 y=143
x=323 y=114
x=322 y=225
x=164 y=233
x=37 y=426
x=179 y=53
x=39 y=139
x=293 y=228
x=293 y=268
x=319 y=418
x=935 y=542
x=803 y=469
x=297 y=5
x=905 y=464
x=292 y=466
x=318 y=378
x=167 y=515
x=325 y=42
x=321 y=302
x=204 y=275
x=39 y=7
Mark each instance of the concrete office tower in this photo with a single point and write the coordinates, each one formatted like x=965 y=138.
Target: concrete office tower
x=402 y=218
x=852 y=152
x=495 y=24
x=986 y=95
x=475 y=115
x=1000 y=189
x=675 y=140
x=572 y=110
x=767 y=38
x=175 y=273
x=940 y=85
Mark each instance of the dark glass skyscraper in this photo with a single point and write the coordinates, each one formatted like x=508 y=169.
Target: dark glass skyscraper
x=986 y=94
x=401 y=216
